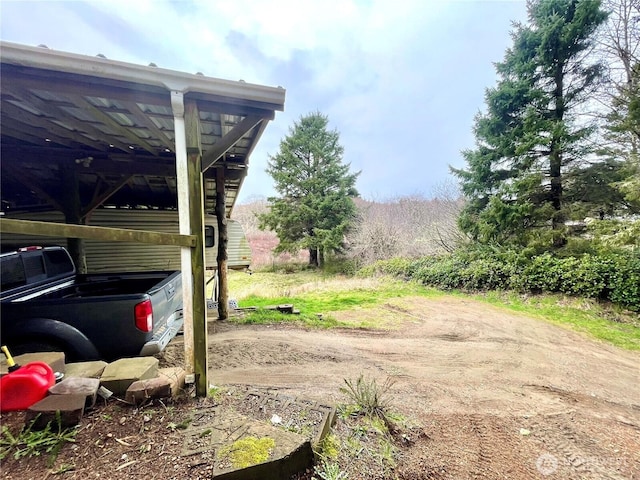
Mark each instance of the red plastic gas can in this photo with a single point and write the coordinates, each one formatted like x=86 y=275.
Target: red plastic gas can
x=25 y=386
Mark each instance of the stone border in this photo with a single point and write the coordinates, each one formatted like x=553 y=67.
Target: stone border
x=328 y=413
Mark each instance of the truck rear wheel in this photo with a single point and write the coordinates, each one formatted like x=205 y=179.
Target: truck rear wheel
x=42 y=345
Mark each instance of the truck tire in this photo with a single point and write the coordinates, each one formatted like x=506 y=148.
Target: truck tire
x=46 y=334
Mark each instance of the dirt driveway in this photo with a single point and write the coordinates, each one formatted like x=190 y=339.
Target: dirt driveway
x=471 y=376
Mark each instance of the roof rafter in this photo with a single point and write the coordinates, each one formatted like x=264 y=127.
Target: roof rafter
x=229 y=140
x=99 y=199
x=52 y=130
x=142 y=117
x=59 y=114
x=30 y=183
x=82 y=103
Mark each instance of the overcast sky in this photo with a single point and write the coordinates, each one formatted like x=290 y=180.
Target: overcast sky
x=401 y=80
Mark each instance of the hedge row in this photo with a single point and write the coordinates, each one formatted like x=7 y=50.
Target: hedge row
x=613 y=276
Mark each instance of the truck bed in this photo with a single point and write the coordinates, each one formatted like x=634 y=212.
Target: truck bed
x=103 y=285
x=45 y=305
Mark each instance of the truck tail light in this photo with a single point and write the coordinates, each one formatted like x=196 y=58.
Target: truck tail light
x=144 y=316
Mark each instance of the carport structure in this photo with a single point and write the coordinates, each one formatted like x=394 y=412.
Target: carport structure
x=78 y=132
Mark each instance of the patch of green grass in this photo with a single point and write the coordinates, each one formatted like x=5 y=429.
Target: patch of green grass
x=582 y=315
x=215 y=392
x=32 y=443
x=268 y=317
x=64 y=468
x=316 y=292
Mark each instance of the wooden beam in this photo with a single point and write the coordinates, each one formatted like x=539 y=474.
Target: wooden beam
x=229 y=109
x=256 y=137
x=102 y=162
x=32 y=133
x=223 y=239
x=232 y=105
x=196 y=221
x=131 y=167
x=229 y=140
x=72 y=209
x=28 y=181
x=200 y=333
x=30 y=227
x=193 y=130
x=104 y=196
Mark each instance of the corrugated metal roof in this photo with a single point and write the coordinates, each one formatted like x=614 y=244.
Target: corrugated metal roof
x=112 y=121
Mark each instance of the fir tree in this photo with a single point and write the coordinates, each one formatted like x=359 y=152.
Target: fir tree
x=531 y=135
x=314 y=208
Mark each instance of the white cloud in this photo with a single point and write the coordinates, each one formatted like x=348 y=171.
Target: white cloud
x=400 y=80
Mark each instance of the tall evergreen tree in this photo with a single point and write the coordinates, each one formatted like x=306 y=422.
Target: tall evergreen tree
x=531 y=135
x=619 y=46
x=314 y=208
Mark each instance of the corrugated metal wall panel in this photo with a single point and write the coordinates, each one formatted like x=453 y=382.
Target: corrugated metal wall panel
x=238 y=247
x=120 y=256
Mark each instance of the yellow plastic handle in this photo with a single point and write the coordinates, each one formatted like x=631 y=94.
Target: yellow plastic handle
x=10 y=361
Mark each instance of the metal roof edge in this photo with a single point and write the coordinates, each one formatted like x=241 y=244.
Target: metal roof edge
x=48 y=59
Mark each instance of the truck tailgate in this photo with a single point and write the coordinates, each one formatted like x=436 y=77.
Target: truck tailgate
x=166 y=300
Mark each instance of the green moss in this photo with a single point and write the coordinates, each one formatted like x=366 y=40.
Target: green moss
x=248 y=451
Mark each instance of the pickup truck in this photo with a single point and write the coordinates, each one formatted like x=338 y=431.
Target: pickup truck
x=46 y=306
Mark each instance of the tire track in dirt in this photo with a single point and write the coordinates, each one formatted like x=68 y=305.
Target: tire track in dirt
x=469 y=446
x=591 y=440
x=257 y=353
x=472 y=376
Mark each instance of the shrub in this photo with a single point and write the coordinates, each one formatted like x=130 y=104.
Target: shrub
x=602 y=273
x=445 y=273
x=397 y=267
x=624 y=283
x=340 y=265
x=487 y=274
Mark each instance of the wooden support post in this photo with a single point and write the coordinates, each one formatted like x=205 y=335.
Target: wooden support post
x=72 y=206
x=196 y=212
x=183 y=187
x=223 y=286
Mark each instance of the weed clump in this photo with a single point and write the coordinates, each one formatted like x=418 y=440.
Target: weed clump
x=330 y=471
x=370 y=399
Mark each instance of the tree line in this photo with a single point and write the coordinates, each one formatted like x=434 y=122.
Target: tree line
x=556 y=143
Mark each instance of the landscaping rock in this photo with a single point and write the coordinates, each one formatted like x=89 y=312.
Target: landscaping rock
x=119 y=375
x=86 y=369
x=78 y=385
x=54 y=359
x=176 y=377
x=240 y=448
x=167 y=384
x=70 y=408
